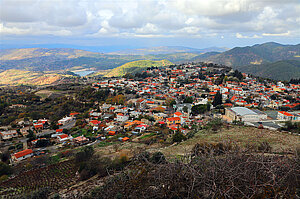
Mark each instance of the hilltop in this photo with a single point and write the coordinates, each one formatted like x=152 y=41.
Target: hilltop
x=136 y=66
x=166 y=50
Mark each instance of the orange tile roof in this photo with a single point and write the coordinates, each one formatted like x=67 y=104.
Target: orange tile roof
x=23 y=153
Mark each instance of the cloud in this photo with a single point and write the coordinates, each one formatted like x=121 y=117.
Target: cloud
x=288 y=33
x=240 y=36
x=245 y=19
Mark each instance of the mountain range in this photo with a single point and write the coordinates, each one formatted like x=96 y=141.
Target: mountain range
x=267 y=60
x=166 y=50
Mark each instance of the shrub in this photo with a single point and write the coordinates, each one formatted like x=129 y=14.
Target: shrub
x=214 y=124
x=264 y=147
x=85 y=154
x=5 y=169
x=211 y=148
x=232 y=175
x=158 y=158
x=178 y=137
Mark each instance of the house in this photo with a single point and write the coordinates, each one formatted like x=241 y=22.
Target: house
x=64 y=137
x=94 y=122
x=38 y=126
x=173 y=120
x=65 y=120
x=177 y=114
x=5 y=135
x=244 y=114
x=59 y=130
x=21 y=155
x=159 y=116
x=25 y=131
x=74 y=114
x=121 y=117
x=141 y=127
x=80 y=140
x=292 y=116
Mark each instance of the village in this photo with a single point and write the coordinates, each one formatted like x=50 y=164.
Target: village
x=159 y=101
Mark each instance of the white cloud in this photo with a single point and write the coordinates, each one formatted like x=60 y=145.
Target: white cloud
x=240 y=36
x=151 y=18
x=288 y=33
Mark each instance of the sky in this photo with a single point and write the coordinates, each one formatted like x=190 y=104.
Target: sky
x=108 y=25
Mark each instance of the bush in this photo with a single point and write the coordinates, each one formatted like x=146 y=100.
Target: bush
x=214 y=124
x=101 y=166
x=264 y=147
x=178 y=137
x=211 y=148
x=158 y=158
x=5 y=169
x=232 y=175
x=85 y=154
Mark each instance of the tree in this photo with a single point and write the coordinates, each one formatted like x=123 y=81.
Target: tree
x=170 y=102
x=85 y=154
x=178 y=136
x=217 y=99
x=185 y=109
x=5 y=169
x=200 y=109
x=31 y=136
x=188 y=100
x=42 y=143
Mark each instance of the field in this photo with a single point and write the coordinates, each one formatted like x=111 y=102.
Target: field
x=55 y=176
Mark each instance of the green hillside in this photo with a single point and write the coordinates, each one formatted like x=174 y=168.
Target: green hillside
x=136 y=66
x=280 y=70
x=257 y=54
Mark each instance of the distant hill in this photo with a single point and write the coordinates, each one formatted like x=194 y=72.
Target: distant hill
x=280 y=70
x=17 y=77
x=25 y=53
x=59 y=59
x=257 y=54
x=136 y=66
x=166 y=50
x=40 y=59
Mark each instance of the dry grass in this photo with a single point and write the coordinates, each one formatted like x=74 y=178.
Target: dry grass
x=241 y=136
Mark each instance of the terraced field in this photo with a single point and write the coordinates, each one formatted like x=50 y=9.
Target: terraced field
x=55 y=177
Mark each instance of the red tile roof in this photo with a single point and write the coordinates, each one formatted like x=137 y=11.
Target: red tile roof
x=63 y=136
x=23 y=153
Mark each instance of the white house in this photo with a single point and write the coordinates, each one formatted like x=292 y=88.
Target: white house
x=5 y=135
x=65 y=120
x=244 y=114
x=141 y=127
x=21 y=155
x=64 y=137
x=282 y=115
x=121 y=117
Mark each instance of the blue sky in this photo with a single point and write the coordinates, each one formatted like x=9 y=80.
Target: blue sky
x=107 y=25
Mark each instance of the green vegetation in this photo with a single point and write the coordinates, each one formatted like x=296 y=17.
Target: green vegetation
x=280 y=70
x=136 y=66
x=257 y=54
